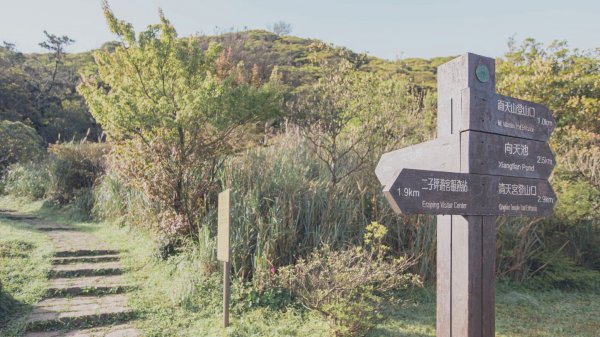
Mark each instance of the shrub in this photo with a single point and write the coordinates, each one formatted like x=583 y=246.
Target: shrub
x=348 y=286
x=116 y=202
x=281 y=210
x=73 y=167
x=169 y=140
x=561 y=272
x=19 y=143
x=30 y=180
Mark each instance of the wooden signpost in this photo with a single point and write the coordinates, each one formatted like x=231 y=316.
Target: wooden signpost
x=490 y=158
x=223 y=249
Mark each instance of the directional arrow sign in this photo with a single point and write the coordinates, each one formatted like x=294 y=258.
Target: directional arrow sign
x=440 y=154
x=432 y=192
x=491 y=112
x=486 y=153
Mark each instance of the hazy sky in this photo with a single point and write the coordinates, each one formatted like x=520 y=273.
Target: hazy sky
x=384 y=28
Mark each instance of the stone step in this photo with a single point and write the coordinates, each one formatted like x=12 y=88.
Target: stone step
x=90 y=285
x=78 y=312
x=49 y=229
x=85 y=269
x=85 y=259
x=123 y=330
x=85 y=252
x=18 y=217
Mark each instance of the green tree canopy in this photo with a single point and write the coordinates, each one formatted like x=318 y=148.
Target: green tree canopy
x=173 y=109
x=568 y=82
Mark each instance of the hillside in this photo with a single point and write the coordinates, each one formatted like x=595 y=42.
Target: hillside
x=32 y=93
x=295 y=57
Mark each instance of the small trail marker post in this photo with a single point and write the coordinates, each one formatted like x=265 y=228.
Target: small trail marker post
x=223 y=248
x=490 y=158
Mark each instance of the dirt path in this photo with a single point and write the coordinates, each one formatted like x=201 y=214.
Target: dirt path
x=87 y=292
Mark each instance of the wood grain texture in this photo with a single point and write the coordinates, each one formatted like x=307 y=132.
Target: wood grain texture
x=439 y=155
x=453 y=77
x=444 y=276
x=490 y=112
x=486 y=153
x=488 y=276
x=466 y=276
x=223 y=226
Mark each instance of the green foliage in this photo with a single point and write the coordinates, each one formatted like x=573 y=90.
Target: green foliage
x=20 y=143
x=24 y=264
x=348 y=286
x=566 y=81
x=563 y=79
x=174 y=110
x=114 y=201
x=74 y=168
x=350 y=117
x=39 y=90
x=561 y=272
x=29 y=180
x=281 y=210
x=247 y=297
x=66 y=176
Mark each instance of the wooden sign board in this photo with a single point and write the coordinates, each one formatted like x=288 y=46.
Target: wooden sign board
x=433 y=192
x=491 y=112
x=224 y=227
x=507 y=156
x=440 y=154
x=485 y=153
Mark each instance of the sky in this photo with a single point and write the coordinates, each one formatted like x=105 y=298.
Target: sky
x=383 y=28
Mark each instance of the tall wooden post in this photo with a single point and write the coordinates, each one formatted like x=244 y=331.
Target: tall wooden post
x=226 y=287
x=466 y=245
x=466 y=260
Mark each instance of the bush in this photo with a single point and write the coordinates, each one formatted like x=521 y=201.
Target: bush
x=75 y=166
x=347 y=287
x=30 y=180
x=116 y=202
x=20 y=143
x=560 y=272
x=282 y=210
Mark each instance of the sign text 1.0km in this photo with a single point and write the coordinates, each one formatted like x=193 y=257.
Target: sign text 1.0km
x=491 y=112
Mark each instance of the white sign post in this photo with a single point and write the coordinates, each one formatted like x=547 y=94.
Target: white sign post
x=223 y=248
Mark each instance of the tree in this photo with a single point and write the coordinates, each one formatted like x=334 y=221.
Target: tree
x=350 y=117
x=56 y=46
x=39 y=90
x=173 y=111
x=567 y=82
x=281 y=28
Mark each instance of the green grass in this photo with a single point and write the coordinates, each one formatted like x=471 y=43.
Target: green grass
x=174 y=298
x=520 y=311
x=24 y=264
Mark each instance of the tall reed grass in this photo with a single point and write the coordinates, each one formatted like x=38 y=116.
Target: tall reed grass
x=284 y=208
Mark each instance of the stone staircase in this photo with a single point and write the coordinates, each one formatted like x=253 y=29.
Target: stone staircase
x=87 y=291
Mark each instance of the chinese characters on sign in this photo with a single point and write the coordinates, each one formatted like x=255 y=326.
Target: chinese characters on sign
x=451 y=185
